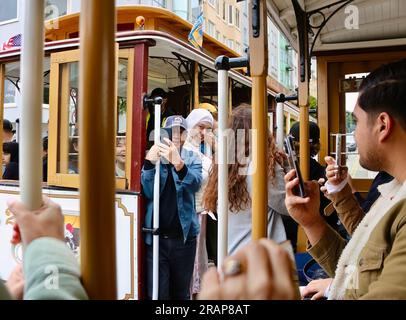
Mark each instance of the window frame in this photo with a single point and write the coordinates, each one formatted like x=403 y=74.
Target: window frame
x=16 y=19
x=57 y=132
x=230 y=19
x=68 y=4
x=212 y=3
x=237 y=22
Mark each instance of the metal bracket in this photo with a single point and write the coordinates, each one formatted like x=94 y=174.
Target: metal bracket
x=280 y=98
x=148 y=101
x=226 y=63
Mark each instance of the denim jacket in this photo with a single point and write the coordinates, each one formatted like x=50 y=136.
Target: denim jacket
x=185 y=193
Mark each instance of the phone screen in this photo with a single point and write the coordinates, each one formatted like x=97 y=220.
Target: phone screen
x=294 y=164
x=166 y=133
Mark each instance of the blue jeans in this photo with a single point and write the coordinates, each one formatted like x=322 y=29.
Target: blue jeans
x=176 y=262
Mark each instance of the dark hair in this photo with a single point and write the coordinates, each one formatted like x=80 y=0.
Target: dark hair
x=159 y=92
x=45 y=143
x=12 y=149
x=384 y=90
x=7 y=126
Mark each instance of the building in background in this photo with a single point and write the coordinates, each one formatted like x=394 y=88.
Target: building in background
x=224 y=20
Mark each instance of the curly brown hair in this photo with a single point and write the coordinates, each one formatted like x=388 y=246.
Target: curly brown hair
x=238 y=195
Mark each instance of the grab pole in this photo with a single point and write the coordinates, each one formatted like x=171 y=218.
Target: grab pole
x=157 y=139
x=223 y=64
x=31 y=104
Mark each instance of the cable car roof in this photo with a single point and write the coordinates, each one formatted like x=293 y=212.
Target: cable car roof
x=382 y=23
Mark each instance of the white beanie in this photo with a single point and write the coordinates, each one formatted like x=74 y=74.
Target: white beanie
x=197 y=116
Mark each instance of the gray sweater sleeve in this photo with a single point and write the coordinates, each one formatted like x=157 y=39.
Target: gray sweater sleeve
x=51 y=272
x=276 y=190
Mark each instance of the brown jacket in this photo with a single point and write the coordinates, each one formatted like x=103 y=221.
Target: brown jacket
x=382 y=262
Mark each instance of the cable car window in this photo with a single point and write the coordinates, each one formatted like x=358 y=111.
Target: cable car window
x=349 y=87
x=208 y=86
x=121 y=141
x=64 y=137
x=8 y=11
x=55 y=8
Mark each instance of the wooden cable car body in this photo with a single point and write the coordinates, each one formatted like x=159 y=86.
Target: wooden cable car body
x=156 y=55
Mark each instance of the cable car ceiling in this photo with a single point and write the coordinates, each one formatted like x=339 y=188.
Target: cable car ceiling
x=377 y=23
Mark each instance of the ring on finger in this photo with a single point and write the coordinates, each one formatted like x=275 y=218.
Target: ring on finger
x=232 y=267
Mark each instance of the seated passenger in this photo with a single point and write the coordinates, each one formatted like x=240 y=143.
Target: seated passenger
x=240 y=171
x=10 y=161
x=120 y=155
x=74 y=156
x=45 y=159
x=319 y=288
x=371 y=264
x=42 y=235
x=8 y=131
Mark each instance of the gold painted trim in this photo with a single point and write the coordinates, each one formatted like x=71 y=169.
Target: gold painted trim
x=121 y=206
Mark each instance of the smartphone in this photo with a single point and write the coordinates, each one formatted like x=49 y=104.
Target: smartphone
x=338 y=154
x=294 y=164
x=166 y=133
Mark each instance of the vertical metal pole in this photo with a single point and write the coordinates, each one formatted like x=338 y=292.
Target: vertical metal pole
x=97 y=100
x=31 y=104
x=222 y=209
x=259 y=69
x=279 y=124
x=155 y=264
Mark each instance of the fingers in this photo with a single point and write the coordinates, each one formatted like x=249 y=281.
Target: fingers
x=290 y=196
x=318 y=295
x=281 y=266
x=169 y=142
x=290 y=175
x=330 y=160
x=18 y=210
x=321 y=181
x=235 y=287
x=259 y=272
x=210 y=285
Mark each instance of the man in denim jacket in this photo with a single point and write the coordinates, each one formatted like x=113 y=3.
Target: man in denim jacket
x=180 y=179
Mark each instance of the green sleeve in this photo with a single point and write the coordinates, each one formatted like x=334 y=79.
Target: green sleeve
x=51 y=272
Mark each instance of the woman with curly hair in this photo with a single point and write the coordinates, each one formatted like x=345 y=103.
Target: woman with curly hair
x=240 y=172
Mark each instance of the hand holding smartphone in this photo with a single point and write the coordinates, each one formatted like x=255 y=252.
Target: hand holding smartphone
x=294 y=164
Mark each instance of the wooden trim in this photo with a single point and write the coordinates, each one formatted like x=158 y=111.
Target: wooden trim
x=322 y=108
x=59 y=115
x=362 y=185
x=370 y=56
x=138 y=145
x=360 y=51
x=63 y=120
x=196 y=85
x=333 y=70
x=129 y=55
x=138 y=132
x=65 y=56
x=53 y=123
